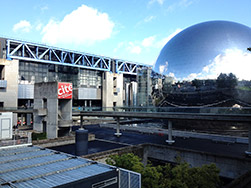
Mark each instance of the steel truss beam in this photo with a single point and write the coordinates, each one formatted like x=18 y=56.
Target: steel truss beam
x=126 y=67
x=46 y=54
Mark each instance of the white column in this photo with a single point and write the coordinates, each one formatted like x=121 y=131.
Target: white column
x=170 y=127
x=118 y=133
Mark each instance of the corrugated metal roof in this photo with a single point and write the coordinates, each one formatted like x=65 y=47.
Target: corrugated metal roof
x=33 y=166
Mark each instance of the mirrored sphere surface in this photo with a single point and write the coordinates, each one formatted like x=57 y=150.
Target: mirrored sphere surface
x=205 y=50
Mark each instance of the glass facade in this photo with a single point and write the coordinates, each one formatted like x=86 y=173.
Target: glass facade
x=144 y=87
x=39 y=72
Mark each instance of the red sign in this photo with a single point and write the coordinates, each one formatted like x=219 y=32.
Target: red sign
x=64 y=90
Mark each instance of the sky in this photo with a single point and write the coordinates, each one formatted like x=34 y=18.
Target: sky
x=132 y=30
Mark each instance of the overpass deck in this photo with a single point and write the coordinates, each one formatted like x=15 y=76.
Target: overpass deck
x=239 y=115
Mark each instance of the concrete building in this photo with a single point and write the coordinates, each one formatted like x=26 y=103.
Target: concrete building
x=52 y=108
x=97 y=81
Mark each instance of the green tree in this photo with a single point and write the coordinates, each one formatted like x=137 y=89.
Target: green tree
x=206 y=176
x=166 y=176
x=127 y=161
x=151 y=177
x=197 y=83
x=227 y=81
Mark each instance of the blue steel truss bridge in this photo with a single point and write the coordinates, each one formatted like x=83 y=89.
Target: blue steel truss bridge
x=16 y=49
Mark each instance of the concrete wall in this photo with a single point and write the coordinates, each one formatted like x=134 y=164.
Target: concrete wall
x=230 y=167
x=9 y=94
x=50 y=113
x=112 y=89
x=102 y=156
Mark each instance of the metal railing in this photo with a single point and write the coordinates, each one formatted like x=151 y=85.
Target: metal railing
x=19 y=138
x=197 y=110
x=192 y=110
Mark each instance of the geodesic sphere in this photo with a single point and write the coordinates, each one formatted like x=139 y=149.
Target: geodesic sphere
x=205 y=50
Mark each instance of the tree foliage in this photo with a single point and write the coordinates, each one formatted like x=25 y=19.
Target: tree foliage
x=227 y=81
x=197 y=83
x=166 y=176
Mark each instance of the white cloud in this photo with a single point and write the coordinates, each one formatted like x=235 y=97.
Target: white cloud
x=158 y=1
x=84 y=25
x=120 y=45
x=185 y=3
x=131 y=47
x=135 y=49
x=23 y=26
x=192 y=76
x=163 y=68
x=147 y=42
x=231 y=61
x=171 y=74
x=162 y=42
x=44 y=8
x=149 y=18
x=39 y=26
x=180 y=4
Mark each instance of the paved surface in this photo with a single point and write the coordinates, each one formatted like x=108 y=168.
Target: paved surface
x=134 y=138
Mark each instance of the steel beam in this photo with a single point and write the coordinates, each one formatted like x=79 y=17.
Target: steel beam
x=46 y=54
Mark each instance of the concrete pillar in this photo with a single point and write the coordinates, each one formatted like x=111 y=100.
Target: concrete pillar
x=37 y=120
x=145 y=156
x=28 y=119
x=52 y=119
x=29 y=138
x=22 y=119
x=118 y=133
x=248 y=152
x=170 y=127
x=90 y=105
x=81 y=121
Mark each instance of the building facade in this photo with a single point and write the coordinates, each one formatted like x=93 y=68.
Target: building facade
x=98 y=81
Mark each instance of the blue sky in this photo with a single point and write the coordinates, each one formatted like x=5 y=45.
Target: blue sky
x=134 y=30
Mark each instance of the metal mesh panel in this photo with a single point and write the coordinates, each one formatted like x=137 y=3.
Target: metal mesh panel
x=129 y=179
x=134 y=180
x=124 y=183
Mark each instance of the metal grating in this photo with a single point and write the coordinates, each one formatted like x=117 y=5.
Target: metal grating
x=129 y=179
x=25 y=91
